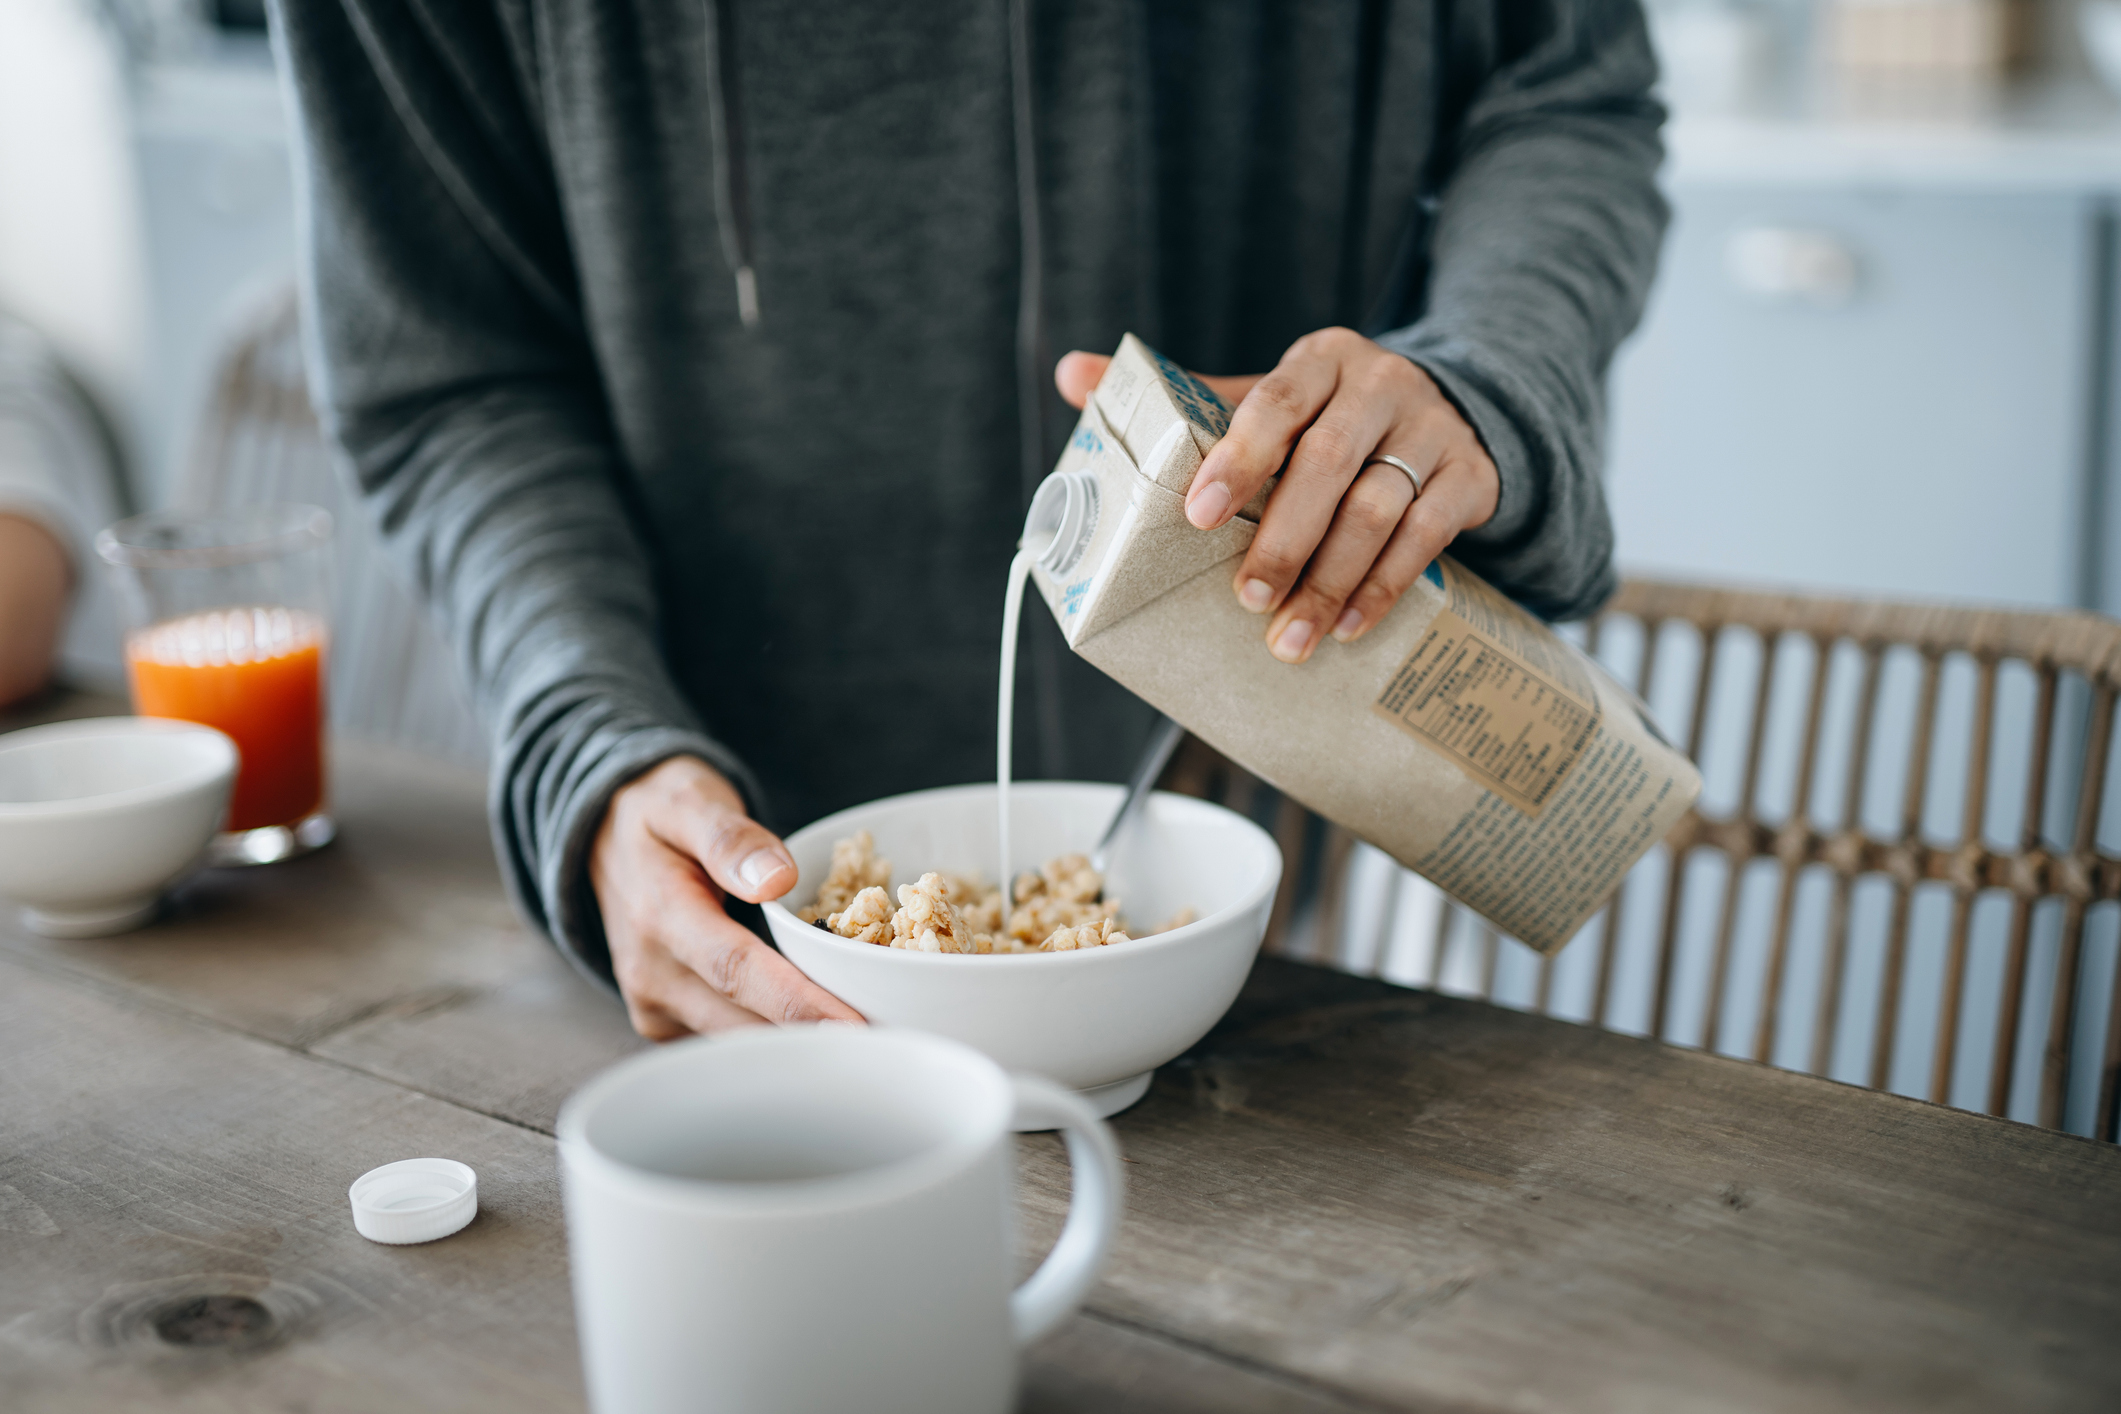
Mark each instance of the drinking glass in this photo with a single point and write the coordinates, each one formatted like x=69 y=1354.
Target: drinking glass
x=226 y=624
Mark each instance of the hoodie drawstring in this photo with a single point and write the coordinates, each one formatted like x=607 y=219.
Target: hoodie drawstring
x=732 y=209
x=1031 y=357
x=732 y=194
x=1033 y=360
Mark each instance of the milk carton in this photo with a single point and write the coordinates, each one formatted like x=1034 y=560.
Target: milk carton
x=1460 y=735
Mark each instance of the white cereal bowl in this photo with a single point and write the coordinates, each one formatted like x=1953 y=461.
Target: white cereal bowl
x=1099 y=1020
x=98 y=817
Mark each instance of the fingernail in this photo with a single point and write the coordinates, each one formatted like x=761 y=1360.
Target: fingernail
x=1290 y=646
x=1350 y=621
x=1256 y=595
x=760 y=865
x=1207 y=506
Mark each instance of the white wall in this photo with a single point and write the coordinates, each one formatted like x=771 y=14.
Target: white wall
x=70 y=248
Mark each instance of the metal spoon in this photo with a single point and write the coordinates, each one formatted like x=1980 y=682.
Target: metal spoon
x=1162 y=742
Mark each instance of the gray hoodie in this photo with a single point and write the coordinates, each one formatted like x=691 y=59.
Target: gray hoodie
x=694 y=355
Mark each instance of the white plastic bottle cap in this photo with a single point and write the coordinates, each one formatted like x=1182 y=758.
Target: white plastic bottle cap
x=414 y=1200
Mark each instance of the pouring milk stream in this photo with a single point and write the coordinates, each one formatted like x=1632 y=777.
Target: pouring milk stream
x=1461 y=735
x=1062 y=516
x=1005 y=706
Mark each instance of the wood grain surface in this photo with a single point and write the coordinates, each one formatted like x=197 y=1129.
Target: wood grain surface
x=1350 y=1196
x=149 y=1161
x=1420 y=1201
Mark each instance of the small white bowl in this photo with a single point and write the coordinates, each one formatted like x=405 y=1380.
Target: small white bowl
x=97 y=817
x=1099 y=1020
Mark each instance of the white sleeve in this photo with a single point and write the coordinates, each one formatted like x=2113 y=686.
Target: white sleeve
x=57 y=468
x=28 y=489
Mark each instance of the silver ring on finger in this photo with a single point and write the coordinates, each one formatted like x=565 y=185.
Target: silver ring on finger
x=1389 y=460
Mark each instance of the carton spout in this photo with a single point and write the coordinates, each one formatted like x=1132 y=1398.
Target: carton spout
x=1062 y=521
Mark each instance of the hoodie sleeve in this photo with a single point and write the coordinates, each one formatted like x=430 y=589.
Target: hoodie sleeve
x=451 y=368
x=1541 y=255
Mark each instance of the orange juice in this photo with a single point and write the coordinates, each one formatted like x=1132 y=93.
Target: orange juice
x=256 y=674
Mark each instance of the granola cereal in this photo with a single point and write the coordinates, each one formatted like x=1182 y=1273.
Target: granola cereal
x=1066 y=894
x=1068 y=877
x=1061 y=908
x=854 y=867
x=925 y=921
x=979 y=906
x=1089 y=935
x=867 y=919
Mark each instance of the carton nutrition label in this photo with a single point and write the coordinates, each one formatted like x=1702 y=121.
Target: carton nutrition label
x=1510 y=725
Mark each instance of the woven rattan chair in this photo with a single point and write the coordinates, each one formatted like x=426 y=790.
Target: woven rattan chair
x=1895 y=875
x=392 y=679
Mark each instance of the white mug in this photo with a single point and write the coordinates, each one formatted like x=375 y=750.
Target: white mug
x=817 y=1218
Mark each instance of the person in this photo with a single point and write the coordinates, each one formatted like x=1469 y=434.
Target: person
x=59 y=484
x=694 y=357
x=35 y=575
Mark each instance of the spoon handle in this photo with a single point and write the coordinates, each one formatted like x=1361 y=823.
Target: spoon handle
x=1162 y=742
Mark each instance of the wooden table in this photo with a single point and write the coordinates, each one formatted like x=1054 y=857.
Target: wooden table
x=1350 y=1196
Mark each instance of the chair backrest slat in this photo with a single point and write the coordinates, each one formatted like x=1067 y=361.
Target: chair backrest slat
x=1902 y=871
x=2077 y=885
x=1834 y=969
x=2107 y=1119
x=1675 y=880
x=1609 y=933
x=1338 y=853
x=1741 y=848
x=1543 y=994
x=1290 y=820
x=1789 y=847
x=1965 y=885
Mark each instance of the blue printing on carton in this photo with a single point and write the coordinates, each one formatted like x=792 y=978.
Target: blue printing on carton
x=1199 y=402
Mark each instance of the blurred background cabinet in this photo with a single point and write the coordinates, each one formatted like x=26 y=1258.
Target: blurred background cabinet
x=1888 y=297
x=211 y=140
x=1821 y=361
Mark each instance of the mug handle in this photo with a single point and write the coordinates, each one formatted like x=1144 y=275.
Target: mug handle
x=1061 y=1282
